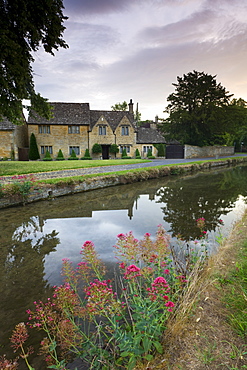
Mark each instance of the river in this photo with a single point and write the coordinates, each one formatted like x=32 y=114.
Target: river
x=34 y=239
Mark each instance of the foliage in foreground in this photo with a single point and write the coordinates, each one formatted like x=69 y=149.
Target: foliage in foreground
x=109 y=329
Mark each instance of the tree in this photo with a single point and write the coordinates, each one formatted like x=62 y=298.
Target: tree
x=25 y=25
x=97 y=148
x=33 y=148
x=114 y=149
x=120 y=106
x=198 y=110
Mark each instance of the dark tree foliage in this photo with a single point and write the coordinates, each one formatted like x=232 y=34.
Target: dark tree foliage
x=120 y=106
x=198 y=110
x=33 y=148
x=97 y=148
x=25 y=26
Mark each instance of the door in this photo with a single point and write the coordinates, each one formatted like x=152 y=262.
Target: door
x=105 y=151
x=23 y=154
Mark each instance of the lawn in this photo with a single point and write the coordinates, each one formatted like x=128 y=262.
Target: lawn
x=25 y=167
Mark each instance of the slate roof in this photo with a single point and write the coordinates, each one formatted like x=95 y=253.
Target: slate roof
x=65 y=114
x=146 y=135
x=80 y=114
x=6 y=125
x=112 y=117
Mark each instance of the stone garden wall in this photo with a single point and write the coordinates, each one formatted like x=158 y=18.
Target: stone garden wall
x=191 y=151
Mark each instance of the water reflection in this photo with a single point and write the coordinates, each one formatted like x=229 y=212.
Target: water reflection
x=210 y=196
x=35 y=238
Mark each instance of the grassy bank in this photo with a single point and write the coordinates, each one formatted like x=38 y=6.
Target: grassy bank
x=10 y=168
x=210 y=329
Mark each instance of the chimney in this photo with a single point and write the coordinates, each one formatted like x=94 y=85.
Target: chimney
x=153 y=125
x=131 y=110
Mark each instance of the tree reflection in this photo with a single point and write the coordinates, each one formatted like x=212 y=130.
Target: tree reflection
x=22 y=272
x=208 y=196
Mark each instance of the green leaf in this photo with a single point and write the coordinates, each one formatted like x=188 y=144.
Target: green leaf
x=147 y=344
x=149 y=357
x=125 y=354
x=158 y=347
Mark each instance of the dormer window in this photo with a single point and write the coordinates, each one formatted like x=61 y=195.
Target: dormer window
x=102 y=130
x=125 y=130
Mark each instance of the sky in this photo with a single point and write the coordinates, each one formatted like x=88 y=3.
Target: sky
x=135 y=49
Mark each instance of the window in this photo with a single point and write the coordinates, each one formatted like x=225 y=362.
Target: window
x=147 y=147
x=102 y=130
x=44 y=129
x=125 y=130
x=126 y=147
x=45 y=148
x=75 y=148
x=74 y=129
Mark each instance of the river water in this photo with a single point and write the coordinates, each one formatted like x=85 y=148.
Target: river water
x=34 y=239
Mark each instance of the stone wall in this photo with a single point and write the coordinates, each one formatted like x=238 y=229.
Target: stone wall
x=7 y=143
x=59 y=138
x=191 y=151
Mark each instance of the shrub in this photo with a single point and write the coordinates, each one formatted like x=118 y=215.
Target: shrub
x=47 y=156
x=161 y=150
x=33 y=148
x=114 y=149
x=137 y=154
x=124 y=153
x=60 y=156
x=126 y=157
x=73 y=155
x=149 y=153
x=97 y=148
x=87 y=155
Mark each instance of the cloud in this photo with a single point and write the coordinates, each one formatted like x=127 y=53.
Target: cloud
x=135 y=49
x=85 y=7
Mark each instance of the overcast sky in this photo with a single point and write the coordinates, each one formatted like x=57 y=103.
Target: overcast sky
x=135 y=49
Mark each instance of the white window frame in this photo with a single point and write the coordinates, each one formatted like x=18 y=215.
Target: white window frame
x=127 y=147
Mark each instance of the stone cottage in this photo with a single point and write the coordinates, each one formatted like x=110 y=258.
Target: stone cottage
x=13 y=140
x=75 y=127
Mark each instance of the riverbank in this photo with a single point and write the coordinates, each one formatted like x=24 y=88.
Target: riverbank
x=209 y=331
x=51 y=188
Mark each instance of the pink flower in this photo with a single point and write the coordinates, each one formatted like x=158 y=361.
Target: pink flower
x=121 y=236
x=169 y=304
x=122 y=265
x=159 y=281
x=167 y=272
x=131 y=272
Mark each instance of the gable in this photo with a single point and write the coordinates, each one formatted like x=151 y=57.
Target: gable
x=113 y=118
